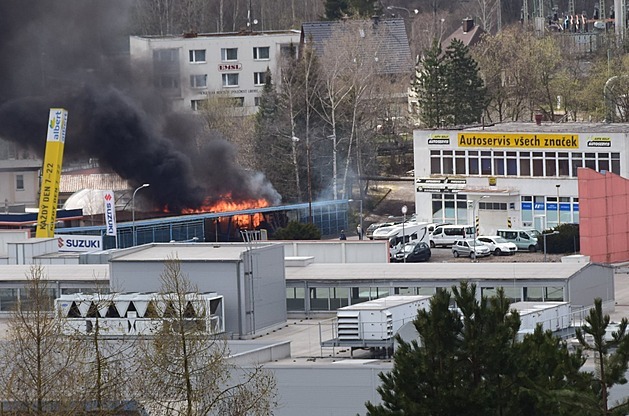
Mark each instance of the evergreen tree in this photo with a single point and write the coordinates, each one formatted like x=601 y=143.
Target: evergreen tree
x=449 y=87
x=469 y=361
x=611 y=356
x=336 y=9
x=430 y=86
x=273 y=149
x=466 y=95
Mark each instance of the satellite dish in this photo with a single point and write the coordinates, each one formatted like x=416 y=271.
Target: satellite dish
x=255 y=21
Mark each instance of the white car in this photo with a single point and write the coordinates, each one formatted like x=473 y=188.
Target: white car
x=498 y=245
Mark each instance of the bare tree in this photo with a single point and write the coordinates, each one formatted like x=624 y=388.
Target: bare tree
x=185 y=369
x=38 y=361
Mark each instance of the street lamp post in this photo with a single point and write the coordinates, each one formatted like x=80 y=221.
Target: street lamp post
x=558 y=210
x=404 y=210
x=546 y=234
x=362 y=230
x=146 y=185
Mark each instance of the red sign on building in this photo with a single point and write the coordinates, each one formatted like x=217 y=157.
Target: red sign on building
x=229 y=67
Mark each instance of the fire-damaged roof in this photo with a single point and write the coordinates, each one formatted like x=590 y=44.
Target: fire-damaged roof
x=386 y=37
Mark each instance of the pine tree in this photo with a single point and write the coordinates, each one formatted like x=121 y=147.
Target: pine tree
x=469 y=361
x=430 y=85
x=336 y=9
x=466 y=95
x=271 y=147
x=449 y=87
x=611 y=355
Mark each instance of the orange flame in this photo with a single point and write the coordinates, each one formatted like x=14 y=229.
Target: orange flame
x=227 y=204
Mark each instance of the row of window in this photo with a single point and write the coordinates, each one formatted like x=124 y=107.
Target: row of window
x=230 y=80
x=520 y=163
x=536 y=211
x=332 y=298
x=197 y=105
x=10 y=298
x=198 y=56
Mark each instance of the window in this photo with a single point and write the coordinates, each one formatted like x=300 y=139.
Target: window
x=166 y=81
x=197 y=105
x=238 y=101
x=165 y=55
x=198 y=81
x=287 y=51
x=259 y=78
x=551 y=164
x=256 y=101
x=197 y=56
x=448 y=167
x=538 y=164
x=459 y=162
x=230 y=80
x=19 y=182
x=229 y=54
x=261 y=53
x=435 y=161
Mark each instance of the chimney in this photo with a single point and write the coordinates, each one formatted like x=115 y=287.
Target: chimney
x=468 y=25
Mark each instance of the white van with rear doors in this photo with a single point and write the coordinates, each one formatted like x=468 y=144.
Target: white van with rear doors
x=447 y=235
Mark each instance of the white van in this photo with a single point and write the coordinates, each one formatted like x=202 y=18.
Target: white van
x=523 y=239
x=446 y=235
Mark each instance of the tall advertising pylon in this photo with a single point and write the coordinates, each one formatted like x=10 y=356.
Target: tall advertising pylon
x=51 y=175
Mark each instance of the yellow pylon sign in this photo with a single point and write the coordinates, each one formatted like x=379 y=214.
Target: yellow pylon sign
x=509 y=222
x=51 y=174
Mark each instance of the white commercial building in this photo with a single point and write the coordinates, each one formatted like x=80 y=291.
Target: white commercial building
x=513 y=174
x=190 y=68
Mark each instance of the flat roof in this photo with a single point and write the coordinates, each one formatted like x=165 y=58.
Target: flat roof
x=433 y=271
x=545 y=127
x=226 y=252
x=63 y=272
x=385 y=303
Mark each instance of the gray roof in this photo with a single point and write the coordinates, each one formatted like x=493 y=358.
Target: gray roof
x=225 y=252
x=388 y=36
x=20 y=165
x=433 y=271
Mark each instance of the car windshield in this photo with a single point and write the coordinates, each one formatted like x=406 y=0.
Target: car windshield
x=408 y=248
x=500 y=240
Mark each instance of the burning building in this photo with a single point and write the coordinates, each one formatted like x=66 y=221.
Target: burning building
x=129 y=130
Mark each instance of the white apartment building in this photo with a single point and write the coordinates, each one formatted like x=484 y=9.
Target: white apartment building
x=191 y=68
x=512 y=174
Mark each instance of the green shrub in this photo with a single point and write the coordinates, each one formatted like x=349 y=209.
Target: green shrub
x=567 y=241
x=298 y=231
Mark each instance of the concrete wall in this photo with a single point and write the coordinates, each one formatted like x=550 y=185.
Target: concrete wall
x=333 y=389
x=594 y=281
x=347 y=251
x=604 y=216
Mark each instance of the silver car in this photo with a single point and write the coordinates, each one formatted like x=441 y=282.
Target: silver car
x=470 y=248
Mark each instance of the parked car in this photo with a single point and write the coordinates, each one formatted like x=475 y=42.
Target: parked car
x=446 y=235
x=413 y=252
x=498 y=245
x=523 y=239
x=470 y=248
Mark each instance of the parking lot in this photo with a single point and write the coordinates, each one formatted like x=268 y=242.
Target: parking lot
x=445 y=255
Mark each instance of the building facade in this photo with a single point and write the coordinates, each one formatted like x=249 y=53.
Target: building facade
x=191 y=68
x=513 y=175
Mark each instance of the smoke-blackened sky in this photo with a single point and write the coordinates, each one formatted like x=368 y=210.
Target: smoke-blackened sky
x=72 y=54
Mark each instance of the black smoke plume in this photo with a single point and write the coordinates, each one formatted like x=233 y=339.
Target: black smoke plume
x=72 y=54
